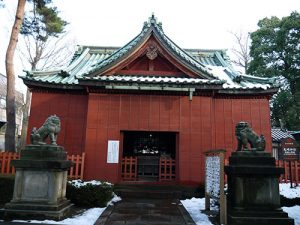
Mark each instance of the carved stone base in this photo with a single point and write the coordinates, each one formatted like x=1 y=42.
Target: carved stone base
x=256 y=217
x=30 y=210
x=40 y=184
x=253 y=190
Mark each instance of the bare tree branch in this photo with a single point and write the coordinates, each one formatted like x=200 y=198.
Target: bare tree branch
x=241 y=49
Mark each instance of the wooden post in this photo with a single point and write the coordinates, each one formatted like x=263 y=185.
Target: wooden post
x=296 y=173
x=291 y=175
x=207 y=197
x=207 y=201
x=285 y=170
x=82 y=166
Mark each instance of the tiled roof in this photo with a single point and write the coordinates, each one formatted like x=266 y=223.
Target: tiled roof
x=214 y=64
x=151 y=27
x=278 y=134
x=154 y=79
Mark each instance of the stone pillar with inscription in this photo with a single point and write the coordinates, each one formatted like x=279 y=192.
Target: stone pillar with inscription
x=253 y=186
x=41 y=178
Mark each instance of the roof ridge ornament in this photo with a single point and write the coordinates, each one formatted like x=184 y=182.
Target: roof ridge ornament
x=152 y=21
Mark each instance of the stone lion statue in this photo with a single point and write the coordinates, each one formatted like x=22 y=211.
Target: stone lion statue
x=245 y=135
x=50 y=129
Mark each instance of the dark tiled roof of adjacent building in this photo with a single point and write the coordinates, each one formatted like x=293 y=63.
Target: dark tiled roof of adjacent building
x=278 y=134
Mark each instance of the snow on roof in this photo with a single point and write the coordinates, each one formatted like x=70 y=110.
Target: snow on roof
x=212 y=64
x=278 y=134
x=219 y=73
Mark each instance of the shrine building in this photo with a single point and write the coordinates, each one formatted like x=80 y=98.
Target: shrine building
x=147 y=111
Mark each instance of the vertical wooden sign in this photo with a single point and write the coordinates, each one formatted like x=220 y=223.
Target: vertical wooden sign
x=113 y=151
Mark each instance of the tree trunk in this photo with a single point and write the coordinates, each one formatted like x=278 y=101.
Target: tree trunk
x=26 y=113
x=10 y=134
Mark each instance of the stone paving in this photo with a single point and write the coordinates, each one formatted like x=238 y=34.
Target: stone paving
x=143 y=211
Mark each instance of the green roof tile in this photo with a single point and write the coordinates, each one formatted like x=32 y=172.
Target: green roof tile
x=88 y=59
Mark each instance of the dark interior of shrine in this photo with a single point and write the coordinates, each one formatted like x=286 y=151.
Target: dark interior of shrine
x=149 y=148
x=145 y=143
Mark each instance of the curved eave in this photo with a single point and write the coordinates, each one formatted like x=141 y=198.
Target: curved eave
x=52 y=85
x=147 y=81
x=144 y=86
x=249 y=91
x=262 y=80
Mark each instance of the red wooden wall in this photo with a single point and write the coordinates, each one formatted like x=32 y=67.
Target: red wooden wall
x=203 y=124
x=70 y=108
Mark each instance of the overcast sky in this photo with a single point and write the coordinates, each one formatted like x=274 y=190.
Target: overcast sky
x=189 y=23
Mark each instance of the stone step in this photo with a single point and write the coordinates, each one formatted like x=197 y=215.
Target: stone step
x=154 y=194
x=156 y=191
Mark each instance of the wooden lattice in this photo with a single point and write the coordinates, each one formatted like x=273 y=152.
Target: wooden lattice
x=167 y=168
x=129 y=168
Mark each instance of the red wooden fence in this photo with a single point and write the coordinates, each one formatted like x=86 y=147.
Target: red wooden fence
x=75 y=172
x=129 y=168
x=286 y=177
x=167 y=169
x=5 y=159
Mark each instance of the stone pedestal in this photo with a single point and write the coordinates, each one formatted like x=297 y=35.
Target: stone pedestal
x=40 y=184
x=253 y=190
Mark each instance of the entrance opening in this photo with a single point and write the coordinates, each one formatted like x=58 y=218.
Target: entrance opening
x=153 y=152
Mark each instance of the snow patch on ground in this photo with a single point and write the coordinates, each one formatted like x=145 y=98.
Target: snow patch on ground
x=288 y=192
x=116 y=198
x=194 y=207
x=294 y=212
x=88 y=217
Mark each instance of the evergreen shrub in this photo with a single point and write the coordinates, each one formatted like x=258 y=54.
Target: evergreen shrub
x=288 y=202
x=6 y=189
x=89 y=194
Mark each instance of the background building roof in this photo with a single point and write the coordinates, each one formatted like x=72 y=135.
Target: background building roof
x=3 y=88
x=278 y=134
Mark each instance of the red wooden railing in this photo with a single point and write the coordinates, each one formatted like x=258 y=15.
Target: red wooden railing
x=295 y=169
x=129 y=168
x=5 y=159
x=167 y=168
x=75 y=172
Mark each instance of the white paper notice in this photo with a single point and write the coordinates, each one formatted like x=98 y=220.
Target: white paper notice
x=113 y=152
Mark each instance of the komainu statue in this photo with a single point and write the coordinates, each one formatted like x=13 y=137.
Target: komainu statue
x=245 y=135
x=50 y=129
